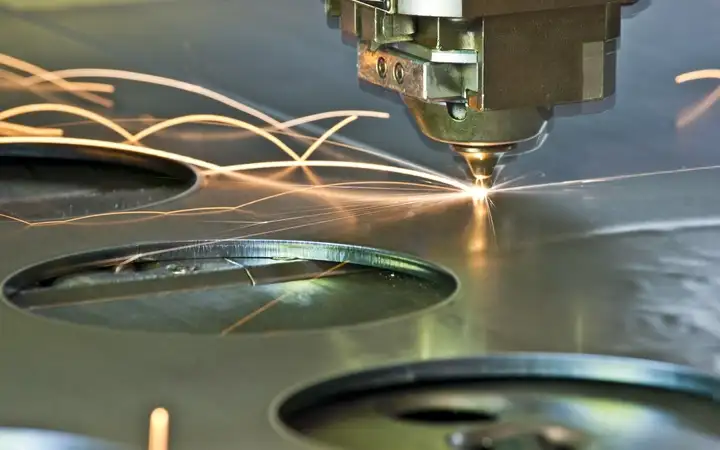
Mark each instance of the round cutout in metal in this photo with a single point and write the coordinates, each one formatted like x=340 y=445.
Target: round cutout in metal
x=57 y=182
x=512 y=402
x=229 y=286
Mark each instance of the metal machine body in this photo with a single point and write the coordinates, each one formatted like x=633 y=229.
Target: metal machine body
x=484 y=75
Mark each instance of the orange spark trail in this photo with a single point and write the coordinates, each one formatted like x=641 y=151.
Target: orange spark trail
x=14 y=82
x=604 y=179
x=694 y=113
x=193 y=88
x=197 y=118
x=225 y=209
x=13 y=129
x=690 y=115
x=159 y=432
x=242 y=321
x=74 y=110
x=337 y=127
x=112 y=146
x=136 y=257
x=228 y=170
x=42 y=74
x=465 y=187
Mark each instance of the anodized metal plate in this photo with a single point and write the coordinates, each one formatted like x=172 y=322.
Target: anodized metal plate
x=624 y=267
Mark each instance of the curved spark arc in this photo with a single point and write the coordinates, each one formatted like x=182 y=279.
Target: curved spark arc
x=62 y=108
x=321 y=140
x=13 y=81
x=192 y=88
x=38 y=73
x=188 y=87
x=294 y=122
x=692 y=114
x=199 y=118
x=216 y=169
x=465 y=187
x=195 y=118
x=112 y=146
x=14 y=129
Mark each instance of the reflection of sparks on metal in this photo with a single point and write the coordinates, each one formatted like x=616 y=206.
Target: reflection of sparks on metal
x=159 y=433
x=693 y=113
x=245 y=319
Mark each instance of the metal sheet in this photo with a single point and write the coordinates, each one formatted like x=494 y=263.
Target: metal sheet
x=627 y=267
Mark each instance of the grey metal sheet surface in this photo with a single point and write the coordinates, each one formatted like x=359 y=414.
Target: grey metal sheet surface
x=627 y=267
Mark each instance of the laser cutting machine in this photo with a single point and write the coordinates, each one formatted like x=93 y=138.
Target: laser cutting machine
x=485 y=75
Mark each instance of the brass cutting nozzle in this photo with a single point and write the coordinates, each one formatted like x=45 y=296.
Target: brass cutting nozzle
x=482 y=162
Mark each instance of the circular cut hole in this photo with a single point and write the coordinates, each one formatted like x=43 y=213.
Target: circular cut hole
x=543 y=402
x=445 y=416
x=229 y=287
x=58 y=182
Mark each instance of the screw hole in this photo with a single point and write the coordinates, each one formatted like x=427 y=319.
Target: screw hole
x=458 y=111
x=399 y=73
x=381 y=67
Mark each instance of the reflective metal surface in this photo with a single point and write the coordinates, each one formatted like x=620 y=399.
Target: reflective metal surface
x=524 y=402
x=625 y=267
x=18 y=438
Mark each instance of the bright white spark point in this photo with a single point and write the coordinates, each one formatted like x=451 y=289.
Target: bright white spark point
x=479 y=192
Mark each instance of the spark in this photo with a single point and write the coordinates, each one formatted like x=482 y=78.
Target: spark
x=62 y=108
x=337 y=127
x=690 y=115
x=479 y=193
x=111 y=146
x=13 y=129
x=698 y=75
x=40 y=74
x=274 y=302
x=462 y=186
x=234 y=135
x=499 y=188
x=219 y=119
x=159 y=432
x=195 y=118
x=136 y=257
x=192 y=88
x=218 y=209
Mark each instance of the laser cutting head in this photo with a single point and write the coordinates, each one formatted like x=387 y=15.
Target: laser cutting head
x=485 y=75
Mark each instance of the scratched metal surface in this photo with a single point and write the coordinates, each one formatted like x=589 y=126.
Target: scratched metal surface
x=625 y=268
